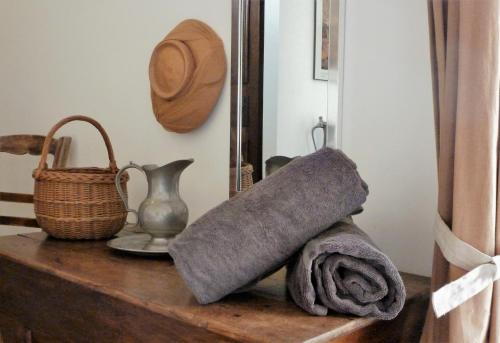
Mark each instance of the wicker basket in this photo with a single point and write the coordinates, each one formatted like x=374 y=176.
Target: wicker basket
x=78 y=203
x=246 y=178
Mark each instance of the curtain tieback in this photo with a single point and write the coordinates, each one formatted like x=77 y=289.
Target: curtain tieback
x=482 y=269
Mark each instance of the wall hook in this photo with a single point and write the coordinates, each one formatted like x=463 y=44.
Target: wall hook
x=320 y=125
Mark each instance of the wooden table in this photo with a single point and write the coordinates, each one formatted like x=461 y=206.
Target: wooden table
x=82 y=291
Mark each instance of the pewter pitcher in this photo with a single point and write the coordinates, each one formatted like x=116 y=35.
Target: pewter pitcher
x=163 y=214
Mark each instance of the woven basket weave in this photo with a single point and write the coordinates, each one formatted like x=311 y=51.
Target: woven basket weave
x=246 y=178
x=78 y=203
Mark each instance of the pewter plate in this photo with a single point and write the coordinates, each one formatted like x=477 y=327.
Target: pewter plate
x=136 y=244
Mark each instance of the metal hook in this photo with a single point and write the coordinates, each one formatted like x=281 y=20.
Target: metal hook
x=320 y=125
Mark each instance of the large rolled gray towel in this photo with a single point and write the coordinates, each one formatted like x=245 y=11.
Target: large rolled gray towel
x=257 y=231
x=343 y=270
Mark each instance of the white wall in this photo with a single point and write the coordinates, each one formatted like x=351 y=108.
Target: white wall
x=270 y=83
x=300 y=99
x=60 y=57
x=388 y=126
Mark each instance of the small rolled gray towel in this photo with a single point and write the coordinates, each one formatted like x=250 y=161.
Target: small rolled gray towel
x=343 y=270
x=257 y=231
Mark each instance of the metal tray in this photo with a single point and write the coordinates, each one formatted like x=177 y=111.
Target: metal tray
x=139 y=244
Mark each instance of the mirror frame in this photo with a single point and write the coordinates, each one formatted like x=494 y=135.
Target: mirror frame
x=239 y=20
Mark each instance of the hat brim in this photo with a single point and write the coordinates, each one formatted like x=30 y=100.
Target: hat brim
x=190 y=109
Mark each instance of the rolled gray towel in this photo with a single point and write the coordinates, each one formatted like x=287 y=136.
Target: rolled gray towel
x=257 y=231
x=343 y=270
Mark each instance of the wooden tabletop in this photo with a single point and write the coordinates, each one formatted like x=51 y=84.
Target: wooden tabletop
x=264 y=314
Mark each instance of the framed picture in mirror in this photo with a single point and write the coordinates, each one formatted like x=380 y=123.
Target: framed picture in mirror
x=326 y=25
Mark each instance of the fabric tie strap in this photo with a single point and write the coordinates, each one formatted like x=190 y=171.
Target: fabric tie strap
x=482 y=269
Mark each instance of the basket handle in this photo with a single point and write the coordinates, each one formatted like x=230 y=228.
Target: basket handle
x=48 y=139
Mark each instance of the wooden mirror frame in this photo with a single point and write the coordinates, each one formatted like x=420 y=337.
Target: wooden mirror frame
x=246 y=89
x=247 y=53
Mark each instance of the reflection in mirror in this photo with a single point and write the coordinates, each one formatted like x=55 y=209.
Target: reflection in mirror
x=295 y=101
x=288 y=53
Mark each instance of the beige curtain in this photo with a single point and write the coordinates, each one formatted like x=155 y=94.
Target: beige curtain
x=464 y=53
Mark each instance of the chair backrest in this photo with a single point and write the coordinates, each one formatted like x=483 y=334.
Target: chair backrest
x=30 y=144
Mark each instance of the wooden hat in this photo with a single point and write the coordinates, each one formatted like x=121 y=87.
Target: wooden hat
x=186 y=72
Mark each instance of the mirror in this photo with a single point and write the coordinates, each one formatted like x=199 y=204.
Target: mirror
x=285 y=86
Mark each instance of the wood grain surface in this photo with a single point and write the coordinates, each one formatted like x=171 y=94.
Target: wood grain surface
x=83 y=291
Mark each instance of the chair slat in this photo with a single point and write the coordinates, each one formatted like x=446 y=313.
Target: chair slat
x=30 y=144
x=18 y=221
x=16 y=197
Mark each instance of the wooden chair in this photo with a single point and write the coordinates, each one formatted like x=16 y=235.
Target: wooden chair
x=30 y=144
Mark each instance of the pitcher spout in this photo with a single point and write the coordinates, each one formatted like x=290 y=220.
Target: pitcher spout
x=165 y=179
x=176 y=167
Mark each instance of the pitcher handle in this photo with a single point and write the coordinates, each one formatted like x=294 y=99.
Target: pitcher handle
x=122 y=193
